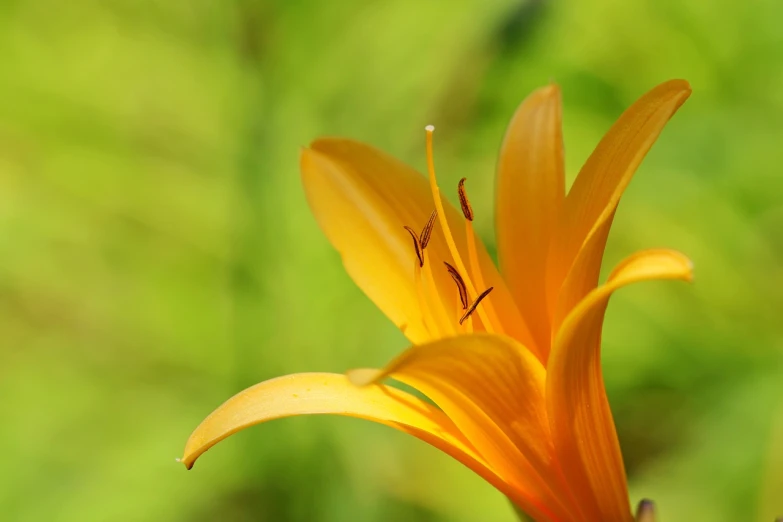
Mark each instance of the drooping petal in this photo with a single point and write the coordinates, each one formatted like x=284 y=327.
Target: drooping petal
x=530 y=191
x=493 y=390
x=362 y=198
x=325 y=393
x=581 y=420
x=597 y=189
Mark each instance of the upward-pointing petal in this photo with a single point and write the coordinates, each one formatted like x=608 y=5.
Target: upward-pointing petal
x=583 y=276
x=365 y=224
x=362 y=198
x=592 y=200
x=530 y=191
x=582 y=425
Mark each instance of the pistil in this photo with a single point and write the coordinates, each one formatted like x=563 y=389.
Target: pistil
x=485 y=320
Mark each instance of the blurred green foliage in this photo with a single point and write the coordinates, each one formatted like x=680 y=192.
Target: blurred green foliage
x=157 y=254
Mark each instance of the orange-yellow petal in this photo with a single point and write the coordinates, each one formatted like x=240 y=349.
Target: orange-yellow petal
x=583 y=276
x=362 y=198
x=332 y=394
x=325 y=393
x=367 y=231
x=581 y=421
x=530 y=191
x=597 y=189
x=493 y=390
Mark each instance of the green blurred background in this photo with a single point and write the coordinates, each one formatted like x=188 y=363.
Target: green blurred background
x=157 y=254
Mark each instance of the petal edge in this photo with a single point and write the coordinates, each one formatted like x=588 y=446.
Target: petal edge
x=529 y=192
x=581 y=420
x=597 y=190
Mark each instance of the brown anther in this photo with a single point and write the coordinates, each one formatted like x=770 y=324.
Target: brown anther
x=463 y=291
x=467 y=210
x=475 y=304
x=416 y=245
x=426 y=233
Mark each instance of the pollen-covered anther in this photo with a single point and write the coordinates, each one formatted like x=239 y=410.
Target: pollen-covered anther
x=426 y=232
x=416 y=245
x=420 y=241
x=463 y=291
x=467 y=210
x=475 y=304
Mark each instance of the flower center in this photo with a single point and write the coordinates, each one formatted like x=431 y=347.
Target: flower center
x=439 y=318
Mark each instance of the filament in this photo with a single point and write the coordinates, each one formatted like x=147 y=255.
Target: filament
x=426 y=316
x=446 y=229
x=475 y=271
x=437 y=307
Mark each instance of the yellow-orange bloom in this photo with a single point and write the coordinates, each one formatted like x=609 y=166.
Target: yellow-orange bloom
x=515 y=372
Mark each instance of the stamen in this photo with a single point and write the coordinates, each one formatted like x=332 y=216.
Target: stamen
x=444 y=322
x=426 y=233
x=470 y=236
x=475 y=272
x=475 y=304
x=463 y=292
x=488 y=326
x=426 y=316
x=416 y=244
x=434 y=317
x=467 y=210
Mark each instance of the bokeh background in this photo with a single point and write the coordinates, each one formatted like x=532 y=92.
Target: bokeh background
x=157 y=254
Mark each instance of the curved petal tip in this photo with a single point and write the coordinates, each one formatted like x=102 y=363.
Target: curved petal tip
x=653 y=264
x=680 y=89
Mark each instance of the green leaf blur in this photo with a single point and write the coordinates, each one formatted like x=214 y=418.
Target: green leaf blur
x=157 y=254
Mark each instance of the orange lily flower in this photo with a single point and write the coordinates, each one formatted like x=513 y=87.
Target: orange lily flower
x=512 y=361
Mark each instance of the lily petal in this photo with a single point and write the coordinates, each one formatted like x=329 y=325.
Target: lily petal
x=326 y=393
x=366 y=229
x=581 y=420
x=530 y=191
x=597 y=189
x=362 y=198
x=583 y=276
x=493 y=390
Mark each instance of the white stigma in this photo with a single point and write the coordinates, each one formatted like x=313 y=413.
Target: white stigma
x=429 y=128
